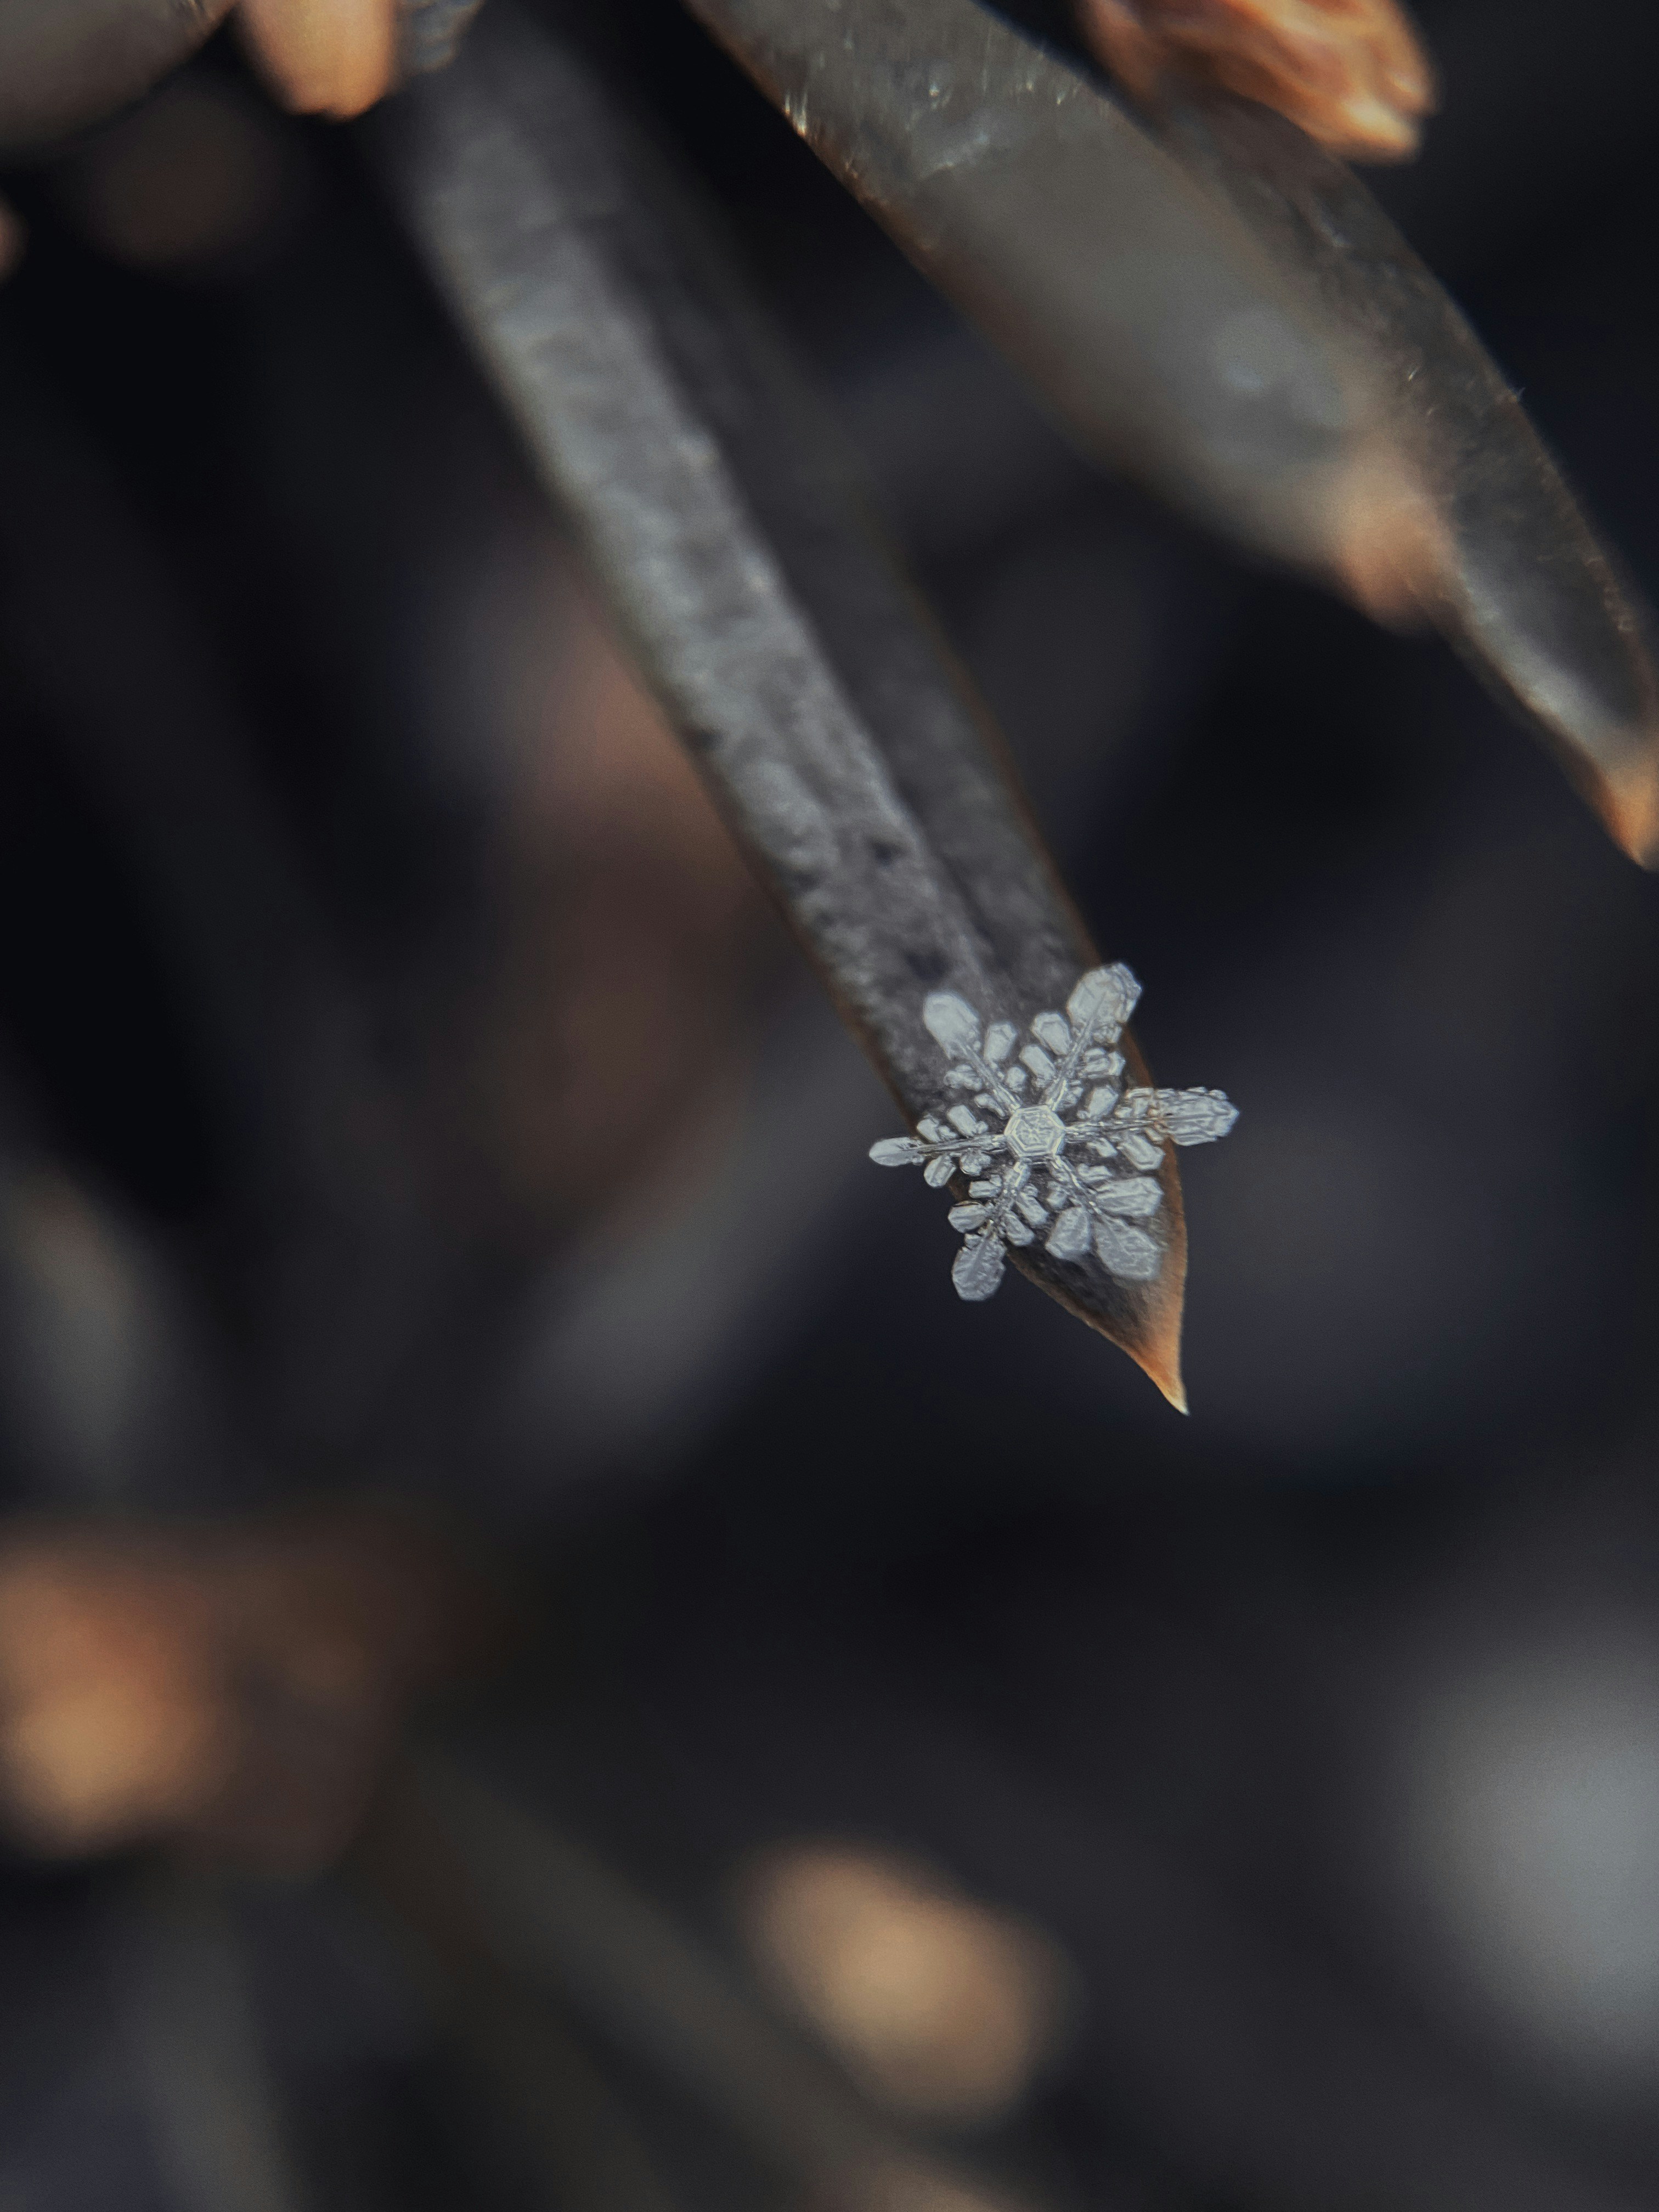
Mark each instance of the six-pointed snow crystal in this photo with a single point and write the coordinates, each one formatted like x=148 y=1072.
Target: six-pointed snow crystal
x=1051 y=1142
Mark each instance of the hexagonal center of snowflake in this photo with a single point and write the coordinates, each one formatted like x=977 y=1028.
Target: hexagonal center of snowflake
x=1035 y=1134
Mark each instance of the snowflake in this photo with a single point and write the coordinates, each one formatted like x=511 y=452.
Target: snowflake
x=1098 y=1167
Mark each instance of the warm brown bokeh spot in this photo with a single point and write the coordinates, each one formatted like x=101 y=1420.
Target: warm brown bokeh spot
x=233 y=1690
x=332 y=58
x=1353 y=74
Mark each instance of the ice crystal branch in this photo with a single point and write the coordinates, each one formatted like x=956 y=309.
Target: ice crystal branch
x=1066 y=1120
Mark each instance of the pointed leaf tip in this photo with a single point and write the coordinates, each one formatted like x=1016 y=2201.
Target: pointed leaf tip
x=1629 y=808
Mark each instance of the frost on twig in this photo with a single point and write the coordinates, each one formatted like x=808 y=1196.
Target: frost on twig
x=1052 y=1144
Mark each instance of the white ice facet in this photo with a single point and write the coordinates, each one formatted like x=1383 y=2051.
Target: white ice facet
x=1103 y=1001
x=1072 y=1234
x=952 y=1022
x=1131 y=1195
x=978 y=1268
x=1130 y=1254
x=897 y=1152
x=1034 y=1133
x=1045 y=1157
x=1194 y=1117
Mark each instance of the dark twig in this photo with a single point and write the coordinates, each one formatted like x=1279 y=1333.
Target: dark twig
x=1494 y=549
x=1213 y=304
x=110 y=647
x=831 y=726
x=559 y=2118
x=558 y=1919
x=212 y=2101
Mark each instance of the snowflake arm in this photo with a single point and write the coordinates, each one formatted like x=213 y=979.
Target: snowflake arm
x=1098 y=1168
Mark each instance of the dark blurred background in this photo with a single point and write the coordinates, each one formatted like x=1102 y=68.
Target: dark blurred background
x=403 y=1093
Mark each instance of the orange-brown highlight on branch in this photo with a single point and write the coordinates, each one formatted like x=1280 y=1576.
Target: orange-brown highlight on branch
x=333 y=58
x=1353 y=74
